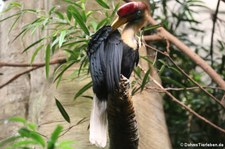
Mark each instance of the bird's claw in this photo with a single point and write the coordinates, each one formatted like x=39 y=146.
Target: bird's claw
x=124 y=83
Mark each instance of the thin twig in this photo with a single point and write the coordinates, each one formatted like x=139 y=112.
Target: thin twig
x=213 y=31
x=196 y=83
x=183 y=72
x=184 y=88
x=56 y=61
x=189 y=52
x=17 y=76
x=79 y=122
x=187 y=108
x=127 y=1
x=34 y=67
x=183 y=105
x=154 y=37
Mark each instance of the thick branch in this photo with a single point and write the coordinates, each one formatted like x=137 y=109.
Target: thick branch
x=189 y=52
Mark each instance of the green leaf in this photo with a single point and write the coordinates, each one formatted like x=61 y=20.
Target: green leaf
x=66 y=145
x=69 y=14
x=83 y=61
x=77 y=16
x=58 y=81
x=54 y=137
x=74 y=3
x=10 y=17
x=17 y=119
x=75 y=43
x=147 y=59
x=47 y=60
x=67 y=65
x=83 y=89
x=33 y=44
x=161 y=70
x=176 y=71
x=62 y=37
x=24 y=143
x=88 y=97
x=31 y=126
x=62 y=110
x=23 y=31
x=135 y=90
x=14 y=23
x=24 y=132
x=145 y=80
x=52 y=10
x=152 y=27
x=9 y=140
x=172 y=81
x=103 y=4
x=60 y=15
x=101 y=23
x=137 y=72
x=35 y=53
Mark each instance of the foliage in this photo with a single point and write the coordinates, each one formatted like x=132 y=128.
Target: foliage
x=62 y=110
x=70 y=29
x=28 y=137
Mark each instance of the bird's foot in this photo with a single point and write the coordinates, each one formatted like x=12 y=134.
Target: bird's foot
x=124 y=85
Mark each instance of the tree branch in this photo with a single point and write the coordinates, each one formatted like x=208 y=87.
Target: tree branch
x=154 y=37
x=213 y=31
x=183 y=105
x=34 y=67
x=184 y=73
x=56 y=61
x=189 y=52
x=127 y=1
x=187 y=108
x=17 y=76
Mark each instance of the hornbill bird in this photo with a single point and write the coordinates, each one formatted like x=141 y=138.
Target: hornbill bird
x=112 y=54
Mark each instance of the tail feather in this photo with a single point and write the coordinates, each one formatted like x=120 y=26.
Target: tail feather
x=98 y=123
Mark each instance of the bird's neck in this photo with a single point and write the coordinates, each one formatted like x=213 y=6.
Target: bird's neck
x=129 y=35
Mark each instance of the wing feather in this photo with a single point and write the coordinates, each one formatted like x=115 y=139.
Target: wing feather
x=105 y=52
x=114 y=52
x=96 y=54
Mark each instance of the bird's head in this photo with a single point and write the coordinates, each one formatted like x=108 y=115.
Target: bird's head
x=132 y=12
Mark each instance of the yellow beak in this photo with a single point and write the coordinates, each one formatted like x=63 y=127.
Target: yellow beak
x=119 y=22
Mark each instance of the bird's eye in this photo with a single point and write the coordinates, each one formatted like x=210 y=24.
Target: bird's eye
x=139 y=12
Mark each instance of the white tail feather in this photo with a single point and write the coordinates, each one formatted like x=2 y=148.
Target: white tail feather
x=98 y=123
x=1 y=5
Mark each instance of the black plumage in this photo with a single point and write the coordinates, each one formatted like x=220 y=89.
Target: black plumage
x=109 y=57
